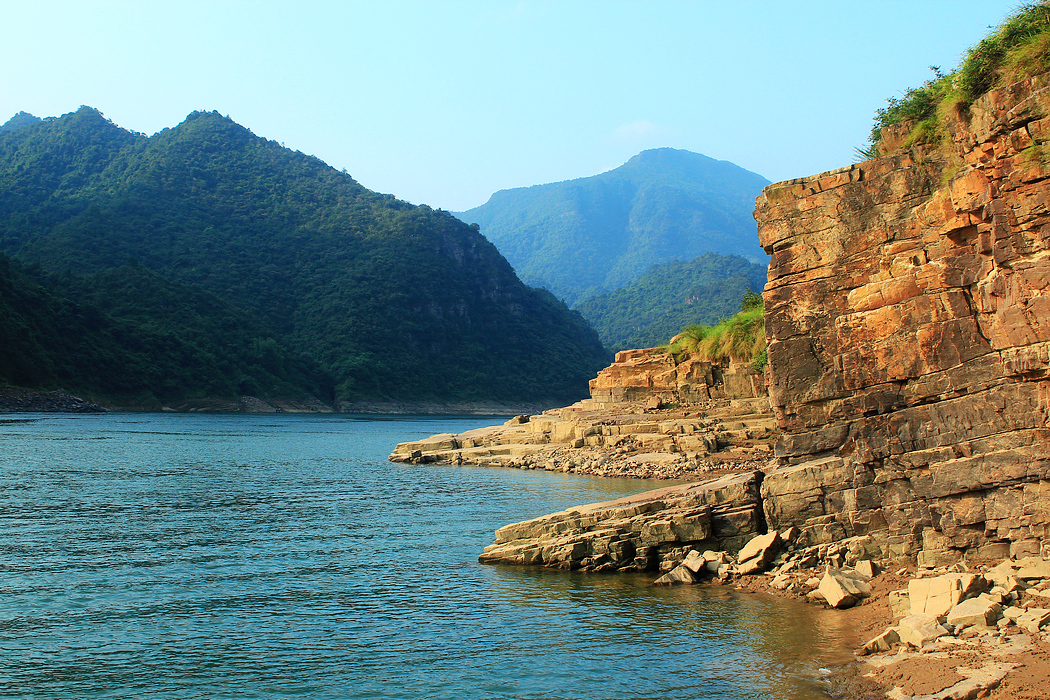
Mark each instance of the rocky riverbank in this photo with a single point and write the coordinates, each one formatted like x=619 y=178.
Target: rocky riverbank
x=625 y=440
x=16 y=400
x=979 y=629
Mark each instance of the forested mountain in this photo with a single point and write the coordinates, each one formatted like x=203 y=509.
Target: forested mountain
x=395 y=301
x=657 y=305
x=139 y=340
x=592 y=235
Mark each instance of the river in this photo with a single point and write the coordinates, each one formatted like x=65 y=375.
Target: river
x=281 y=556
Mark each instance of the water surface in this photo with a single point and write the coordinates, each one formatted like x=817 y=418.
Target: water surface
x=274 y=556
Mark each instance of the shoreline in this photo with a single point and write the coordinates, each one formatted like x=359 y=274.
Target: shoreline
x=23 y=400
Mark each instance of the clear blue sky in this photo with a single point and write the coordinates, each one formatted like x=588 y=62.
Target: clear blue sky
x=444 y=102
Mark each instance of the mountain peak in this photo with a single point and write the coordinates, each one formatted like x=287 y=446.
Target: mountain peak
x=594 y=234
x=18 y=121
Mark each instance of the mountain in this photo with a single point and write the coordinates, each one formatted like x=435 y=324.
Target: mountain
x=140 y=340
x=588 y=236
x=18 y=121
x=395 y=301
x=652 y=309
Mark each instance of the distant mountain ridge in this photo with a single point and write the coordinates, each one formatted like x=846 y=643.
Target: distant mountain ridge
x=592 y=235
x=394 y=301
x=653 y=308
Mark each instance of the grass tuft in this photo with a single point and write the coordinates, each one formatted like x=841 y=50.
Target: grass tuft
x=1016 y=49
x=741 y=338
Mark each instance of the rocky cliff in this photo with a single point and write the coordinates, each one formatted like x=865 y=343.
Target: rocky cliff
x=908 y=318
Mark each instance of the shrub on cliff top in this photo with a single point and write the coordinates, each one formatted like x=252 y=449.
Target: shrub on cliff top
x=984 y=63
x=741 y=338
x=1017 y=48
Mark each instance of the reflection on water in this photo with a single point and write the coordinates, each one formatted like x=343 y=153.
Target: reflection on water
x=173 y=556
x=717 y=641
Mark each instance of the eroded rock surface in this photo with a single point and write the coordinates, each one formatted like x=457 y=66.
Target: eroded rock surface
x=908 y=318
x=637 y=533
x=618 y=439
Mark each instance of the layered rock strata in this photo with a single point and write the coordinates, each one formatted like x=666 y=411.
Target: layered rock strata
x=639 y=376
x=637 y=533
x=625 y=440
x=650 y=415
x=908 y=318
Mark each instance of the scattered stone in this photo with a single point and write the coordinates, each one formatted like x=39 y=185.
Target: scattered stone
x=842 y=589
x=882 y=643
x=1033 y=619
x=677 y=575
x=920 y=629
x=975 y=611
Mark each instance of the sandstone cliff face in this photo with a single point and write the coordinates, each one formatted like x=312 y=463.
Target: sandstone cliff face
x=652 y=373
x=908 y=318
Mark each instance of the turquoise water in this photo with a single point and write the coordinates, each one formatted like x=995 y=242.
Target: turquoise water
x=263 y=556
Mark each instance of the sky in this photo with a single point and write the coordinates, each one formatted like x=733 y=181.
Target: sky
x=444 y=102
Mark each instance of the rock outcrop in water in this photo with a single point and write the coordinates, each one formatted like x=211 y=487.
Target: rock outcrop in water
x=908 y=318
x=650 y=416
x=637 y=533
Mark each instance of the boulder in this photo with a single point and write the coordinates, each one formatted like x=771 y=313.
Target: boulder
x=919 y=630
x=715 y=560
x=757 y=553
x=1033 y=620
x=882 y=643
x=900 y=604
x=940 y=594
x=678 y=575
x=843 y=589
x=1033 y=568
x=1001 y=574
x=866 y=568
x=695 y=562
x=975 y=611
x=1013 y=612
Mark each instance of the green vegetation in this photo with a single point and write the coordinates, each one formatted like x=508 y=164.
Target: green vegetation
x=274 y=260
x=136 y=339
x=669 y=297
x=1017 y=48
x=593 y=235
x=741 y=338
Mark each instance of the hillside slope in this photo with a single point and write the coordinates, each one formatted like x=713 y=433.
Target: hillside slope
x=587 y=236
x=133 y=339
x=656 y=306
x=397 y=301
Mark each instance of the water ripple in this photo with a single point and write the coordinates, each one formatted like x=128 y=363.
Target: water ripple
x=170 y=556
